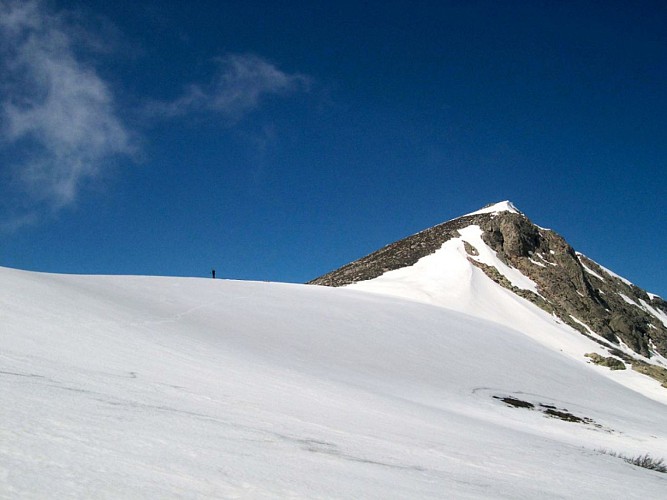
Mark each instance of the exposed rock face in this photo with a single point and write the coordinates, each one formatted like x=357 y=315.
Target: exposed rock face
x=571 y=286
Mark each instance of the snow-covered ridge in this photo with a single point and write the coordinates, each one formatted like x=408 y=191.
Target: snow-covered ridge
x=503 y=206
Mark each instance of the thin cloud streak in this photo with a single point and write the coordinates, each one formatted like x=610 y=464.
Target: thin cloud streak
x=57 y=112
x=59 y=126
x=240 y=83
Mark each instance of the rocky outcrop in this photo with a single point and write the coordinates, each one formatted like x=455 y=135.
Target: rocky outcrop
x=578 y=289
x=573 y=287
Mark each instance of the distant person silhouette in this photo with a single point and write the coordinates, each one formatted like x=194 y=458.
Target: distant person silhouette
x=213 y=273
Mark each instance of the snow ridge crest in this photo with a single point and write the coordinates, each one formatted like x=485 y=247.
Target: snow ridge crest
x=494 y=208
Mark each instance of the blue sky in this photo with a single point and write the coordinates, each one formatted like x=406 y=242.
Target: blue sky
x=280 y=140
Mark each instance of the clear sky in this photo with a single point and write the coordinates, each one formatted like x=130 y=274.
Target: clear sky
x=280 y=140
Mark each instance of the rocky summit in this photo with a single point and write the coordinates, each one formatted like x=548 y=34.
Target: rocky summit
x=578 y=291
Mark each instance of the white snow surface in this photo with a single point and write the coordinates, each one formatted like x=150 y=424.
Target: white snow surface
x=503 y=206
x=145 y=387
x=628 y=300
x=589 y=270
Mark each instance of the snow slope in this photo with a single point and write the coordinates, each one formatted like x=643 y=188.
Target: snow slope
x=140 y=387
x=448 y=279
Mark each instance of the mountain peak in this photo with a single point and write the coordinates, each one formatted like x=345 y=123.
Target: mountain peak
x=494 y=208
x=497 y=249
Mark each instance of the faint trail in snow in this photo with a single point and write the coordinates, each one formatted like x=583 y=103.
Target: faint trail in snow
x=327 y=448
x=252 y=433
x=173 y=318
x=28 y=375
x=177 y=317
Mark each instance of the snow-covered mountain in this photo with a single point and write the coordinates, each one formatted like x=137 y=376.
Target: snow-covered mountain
x=451 y=265
x=146 y=387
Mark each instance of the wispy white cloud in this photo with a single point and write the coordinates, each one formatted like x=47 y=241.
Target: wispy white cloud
x=58 y=114
x=239 y=84
x=59 y=125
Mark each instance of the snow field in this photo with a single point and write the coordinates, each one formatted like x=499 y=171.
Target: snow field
x=189 y=388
